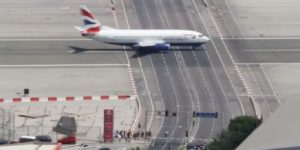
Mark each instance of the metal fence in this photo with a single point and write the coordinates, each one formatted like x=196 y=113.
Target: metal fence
x=7 y=124
x=84 y=133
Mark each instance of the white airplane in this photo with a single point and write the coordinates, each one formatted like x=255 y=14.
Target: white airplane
x=158 y=39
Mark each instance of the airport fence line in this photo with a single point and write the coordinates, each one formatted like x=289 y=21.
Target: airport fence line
x=84 y=133
x=87 y=133
x=7 y=124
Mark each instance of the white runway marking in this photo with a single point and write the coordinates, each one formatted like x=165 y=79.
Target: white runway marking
x=68 y=65
x=271 y=50
x=45 y=40
x=270 y=63
x=266 y=38
x=96 y=51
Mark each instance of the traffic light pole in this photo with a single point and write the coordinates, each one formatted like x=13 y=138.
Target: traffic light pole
x=146 y=120
x=187 y=131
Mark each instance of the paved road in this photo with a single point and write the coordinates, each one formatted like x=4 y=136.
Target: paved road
x=186 y=79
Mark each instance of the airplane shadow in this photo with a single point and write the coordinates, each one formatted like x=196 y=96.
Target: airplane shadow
x=141 y=52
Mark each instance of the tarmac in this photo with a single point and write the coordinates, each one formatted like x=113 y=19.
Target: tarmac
x=64 y=81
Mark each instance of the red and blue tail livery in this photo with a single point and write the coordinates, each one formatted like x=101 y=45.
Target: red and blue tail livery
x=91 y=24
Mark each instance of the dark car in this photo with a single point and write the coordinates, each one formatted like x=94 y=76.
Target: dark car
x=43 y=138
x=193 y=146
x=3 y=141
x=67 y=140
x=196 y=146
x=104 y=148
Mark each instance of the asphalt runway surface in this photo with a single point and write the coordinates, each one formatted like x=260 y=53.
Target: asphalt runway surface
x=59 y=51
x=265 y=50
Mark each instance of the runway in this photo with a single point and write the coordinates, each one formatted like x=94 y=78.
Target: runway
x=276 y=50
x=59 y=51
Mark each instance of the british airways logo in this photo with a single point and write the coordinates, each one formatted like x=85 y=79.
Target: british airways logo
x=91 y=25
x=88 y=22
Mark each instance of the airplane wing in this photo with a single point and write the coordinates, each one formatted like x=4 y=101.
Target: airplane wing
x=148 y=43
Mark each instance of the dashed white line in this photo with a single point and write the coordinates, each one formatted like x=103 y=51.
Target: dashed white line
x=205 y=84
x=182 y=61
x=143 y=74
x=271 y=50
x=172 y=82
x=206 y=28
x=234 y=18
x=58 y=39
x=264 y=38
x=66 y=65
x=259 y=88
x=231 y=58
x=270 y=83
x=270 y=63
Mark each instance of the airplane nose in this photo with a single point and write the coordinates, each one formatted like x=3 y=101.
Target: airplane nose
x=205 y=39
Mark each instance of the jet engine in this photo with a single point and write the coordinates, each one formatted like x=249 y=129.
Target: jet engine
x=162 y=46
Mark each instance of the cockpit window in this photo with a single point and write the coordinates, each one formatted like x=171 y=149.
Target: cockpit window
x=200 y=35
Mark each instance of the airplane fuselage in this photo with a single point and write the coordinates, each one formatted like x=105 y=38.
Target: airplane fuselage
x=133 y=37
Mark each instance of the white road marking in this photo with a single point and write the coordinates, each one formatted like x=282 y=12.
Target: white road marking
x=95 y=51
x=270 y=63
x=214 y=45
x=259 y=89
x=234 y=18
x=257 y=95
x=271 y=50
x=188 y=79
x=264 y=38
x=230 y=56
x=159 y=90
x=66 y=65
x=270 y=83
x=168 y=72
x=58 y=39
x=143 y=74
x=206 y=86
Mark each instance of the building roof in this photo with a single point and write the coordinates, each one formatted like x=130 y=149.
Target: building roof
x=280 y=131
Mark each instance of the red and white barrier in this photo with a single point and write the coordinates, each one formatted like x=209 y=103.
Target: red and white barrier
x=67 y=98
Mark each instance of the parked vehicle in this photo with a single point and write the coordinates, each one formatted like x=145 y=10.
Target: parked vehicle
x=43 y=138
x=67 y=140
x=26 y=138
x=3 y=141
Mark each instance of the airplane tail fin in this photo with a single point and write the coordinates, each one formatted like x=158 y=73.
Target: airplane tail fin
x=91 y=24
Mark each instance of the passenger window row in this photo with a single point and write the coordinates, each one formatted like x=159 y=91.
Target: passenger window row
x=149 y=37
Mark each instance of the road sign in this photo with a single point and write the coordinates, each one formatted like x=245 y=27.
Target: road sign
x=108 y=125
x=206 y=114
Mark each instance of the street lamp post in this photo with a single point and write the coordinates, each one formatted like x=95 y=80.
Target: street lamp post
x=3 y=117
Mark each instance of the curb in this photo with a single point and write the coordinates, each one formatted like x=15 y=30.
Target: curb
x=66 y=98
